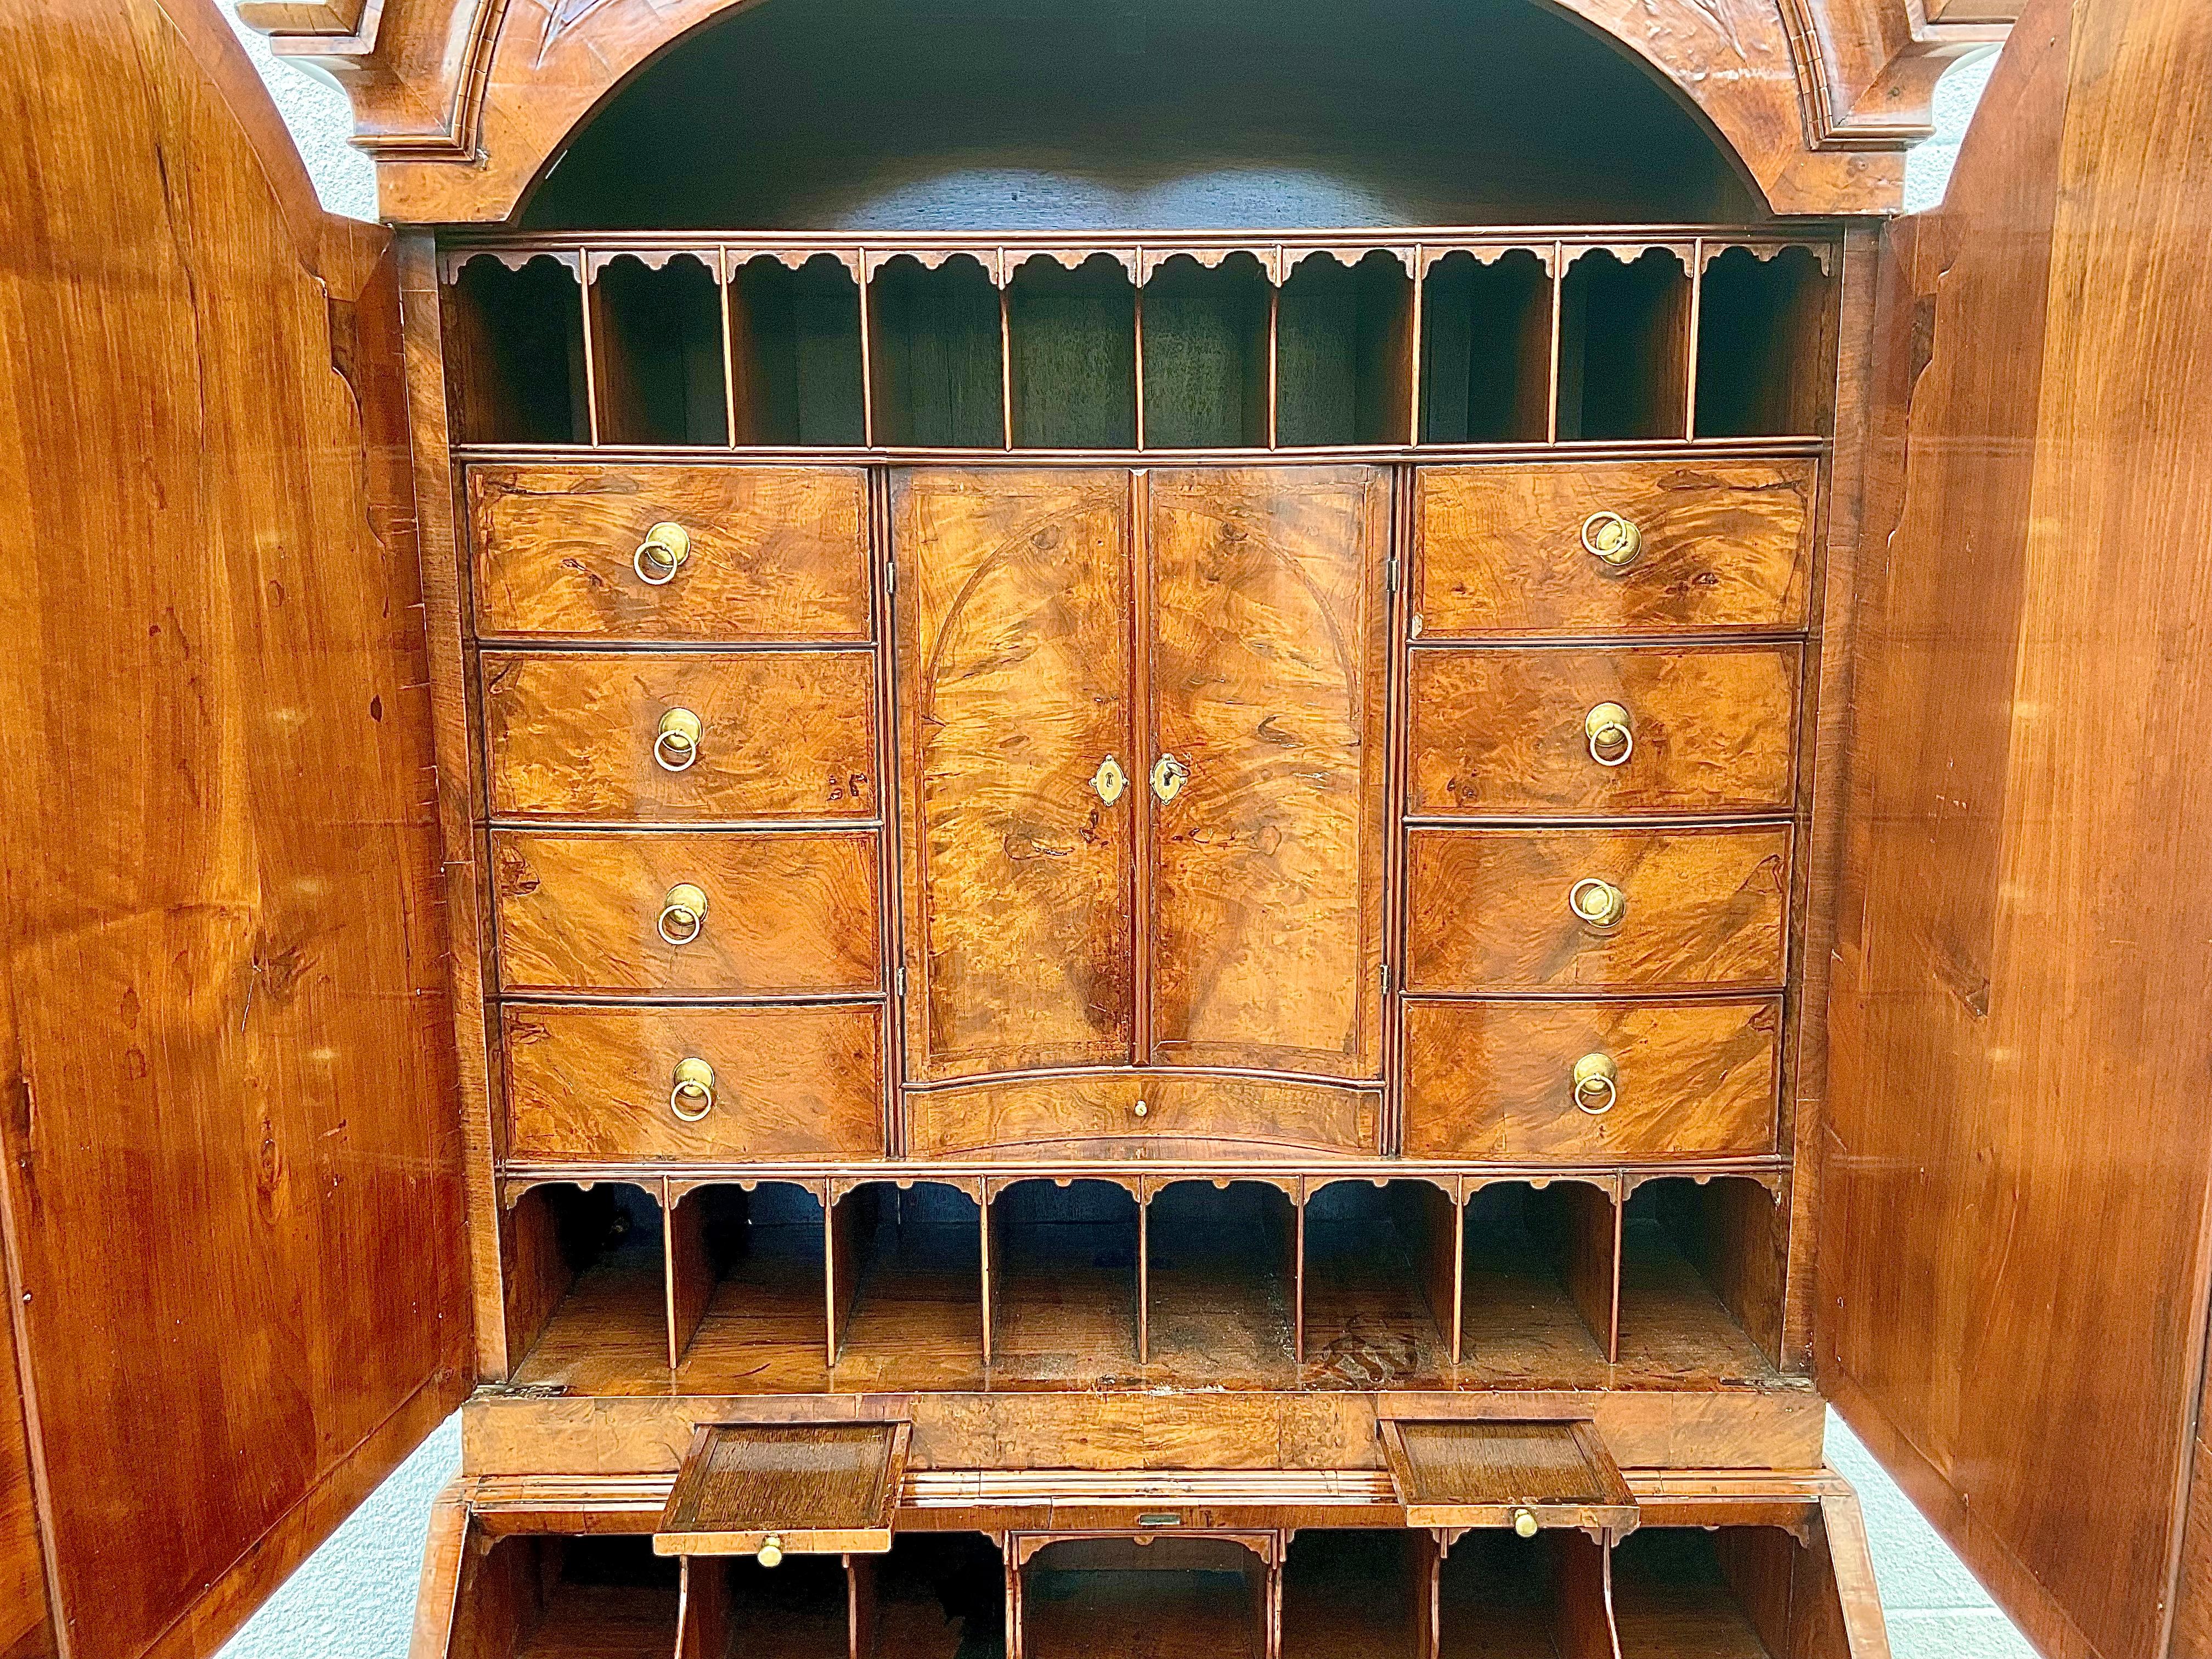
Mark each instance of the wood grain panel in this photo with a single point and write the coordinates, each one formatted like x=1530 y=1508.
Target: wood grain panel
x=229 y=1173
x=787 y=914
x=1501 y=731
x=818 y=1487
x=1488 y=910
x=777 y=553
x=785 y=734
x=1269 y=659
x=1490 y=1079
x=1726 y=545
x=1013 y=677
x=592 y=1085
x=1077 y=1112
x=2014 y=1241
x=25 y=1629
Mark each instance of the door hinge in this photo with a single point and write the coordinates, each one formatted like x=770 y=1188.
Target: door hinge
x=901 y=984
x=891 y=575
x=1383 y=974
x=1390 y=572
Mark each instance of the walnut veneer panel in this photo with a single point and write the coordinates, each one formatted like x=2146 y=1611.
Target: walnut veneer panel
x=592 y=1085
x=1501 y=730
x=817 y=1487
x=1268 y=665
x=1492 y=1079
x=784 y=734
x=1478 y=1473
x=1035 y=1113
x=1488 y=909
x=791 y=913
x=1013 y=677
x=776 y=553
x=1725 y=545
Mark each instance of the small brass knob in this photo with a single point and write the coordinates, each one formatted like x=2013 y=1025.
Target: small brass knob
x=1612 y=735
x=1524 y=1523
x=771 y=1551
x=676 y=740
x=1109 y=781
x=1612 y=540
x=1597 y=903
x=682 y=914
x=1598 y=1085
x=661 y=554
x=1143 y=1110
x=692 y=1096
x=1168 y=772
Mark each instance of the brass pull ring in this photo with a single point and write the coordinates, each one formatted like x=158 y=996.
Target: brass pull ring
x=1597 y=903
x=1612 y=736
x=661 y=554
x=1169 y=774
x=1598 y=1085
x=682 y=914
x=676 y=740
x=1109 y=781
x=1612 y=540
x=692 y=1095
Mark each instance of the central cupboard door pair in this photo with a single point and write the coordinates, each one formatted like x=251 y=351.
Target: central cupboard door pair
x=1143 y=717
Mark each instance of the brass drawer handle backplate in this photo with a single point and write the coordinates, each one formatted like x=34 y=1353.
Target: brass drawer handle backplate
x=1612 y=540
x=676 y=740
x=661 y=554
x=691 y=1097
x=682 y=914
x=1598 y=1085
x=1612 y=735
x=1597 y=903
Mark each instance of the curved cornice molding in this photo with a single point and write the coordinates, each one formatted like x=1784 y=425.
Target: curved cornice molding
x=463 y=102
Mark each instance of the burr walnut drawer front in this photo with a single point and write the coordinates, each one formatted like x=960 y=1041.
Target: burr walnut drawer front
x=735 y=553
x=698 y=912
x=1579 y=730
x=1631 y=548
x=1594 y=1081
x=1568 y=910
x=597 y=1086
x=692 y=735
x=1047 y=1117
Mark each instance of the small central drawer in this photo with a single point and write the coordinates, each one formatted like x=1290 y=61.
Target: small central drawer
x=597 y=1086
x=1045 y=1117
x=693 y=735
x=711 y=554
x=1625 y=548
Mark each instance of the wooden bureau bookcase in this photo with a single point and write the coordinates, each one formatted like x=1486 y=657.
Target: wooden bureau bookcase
x=1225 y=831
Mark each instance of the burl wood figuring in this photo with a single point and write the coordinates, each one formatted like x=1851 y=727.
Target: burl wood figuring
x=1051 y=913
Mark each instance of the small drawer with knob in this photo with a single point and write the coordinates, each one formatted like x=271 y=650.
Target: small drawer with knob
x=706 y=555
x=1592 y=1080
x=624 y=1084
x=1628 y=547
x=1582 y=730
x=646 y=736
x=689 y=912
x=1566 y=911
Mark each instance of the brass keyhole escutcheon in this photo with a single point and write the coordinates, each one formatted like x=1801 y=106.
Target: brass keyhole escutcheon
x=1598 y=1085
x=1597 y=903
x=682 y=914
x=676 y=740
x=691 y=1094
x=1612 y=735
x=1612 y=540
x=1169 y=775
x=661 y=554
x=1109 y=781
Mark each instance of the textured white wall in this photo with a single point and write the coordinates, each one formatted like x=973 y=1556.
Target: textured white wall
x=354 y=1599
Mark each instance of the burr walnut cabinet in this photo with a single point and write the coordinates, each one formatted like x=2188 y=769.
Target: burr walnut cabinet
x=1065 y=831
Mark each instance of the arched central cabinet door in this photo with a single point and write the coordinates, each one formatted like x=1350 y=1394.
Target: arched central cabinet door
x=1213 y=896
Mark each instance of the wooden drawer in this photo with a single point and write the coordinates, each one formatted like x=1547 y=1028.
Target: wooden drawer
x=1494 y=1079
x=1061 y=1116
x=775 y=553
x=1494 y=909
x=784 y=734
x=786 y=914
x=592 y=1085
x=1721 y=545
x=1503 y=730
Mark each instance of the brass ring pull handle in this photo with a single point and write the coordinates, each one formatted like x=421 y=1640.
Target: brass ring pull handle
x=1598 y=1085
x=682 y=914
x=1169 y=775
x=1612 y=540
x=661 y=554
x=1109 y=781
x=771 y=1551
x=1612 y=736
x=691 y=1095
x=1597 y=903
x=676 y=740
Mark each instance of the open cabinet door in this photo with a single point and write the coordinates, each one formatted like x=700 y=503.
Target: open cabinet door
x=233 y=1211
x=2012 y=1253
